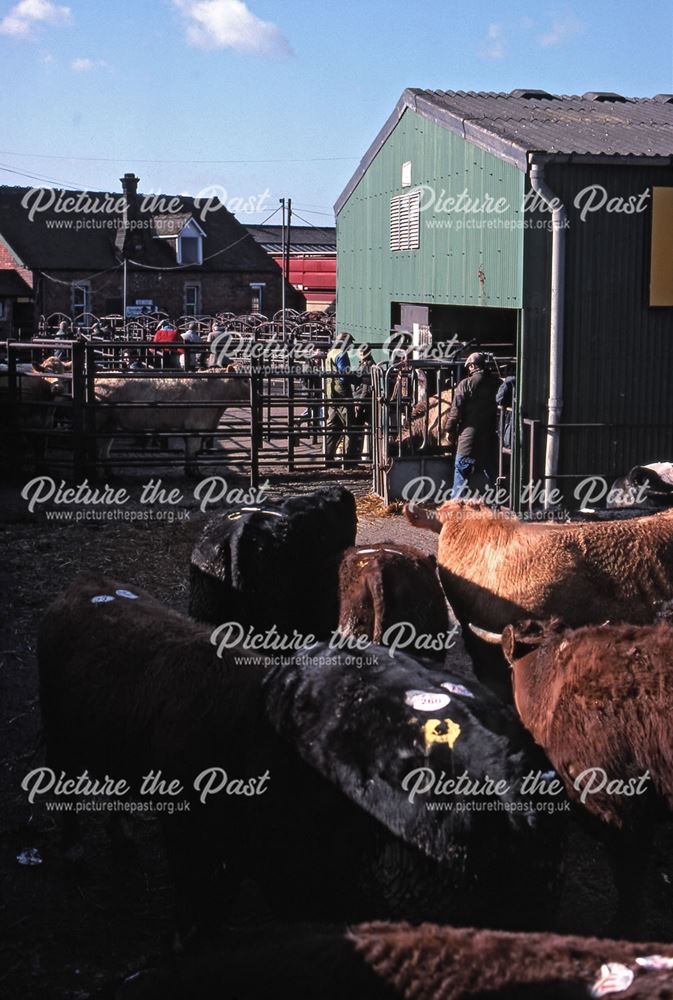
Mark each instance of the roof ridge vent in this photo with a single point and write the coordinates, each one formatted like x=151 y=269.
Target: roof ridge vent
x=528 y=95
x=605 y=96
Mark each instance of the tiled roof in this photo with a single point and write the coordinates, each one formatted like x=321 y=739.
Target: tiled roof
x=92 y=240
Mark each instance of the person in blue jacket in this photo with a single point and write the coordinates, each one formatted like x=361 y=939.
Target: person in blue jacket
x=339 y=394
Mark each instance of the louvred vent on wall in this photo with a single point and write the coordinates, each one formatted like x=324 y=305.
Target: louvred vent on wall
x=405 y=221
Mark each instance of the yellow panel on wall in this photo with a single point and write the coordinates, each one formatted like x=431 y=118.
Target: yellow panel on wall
x=661 y=257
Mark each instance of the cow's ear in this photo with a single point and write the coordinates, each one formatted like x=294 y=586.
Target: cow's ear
x=555 y=626
x=638 y=475
x=520 y=639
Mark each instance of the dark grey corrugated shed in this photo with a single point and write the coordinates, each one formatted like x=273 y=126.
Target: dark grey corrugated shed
x=303 y=239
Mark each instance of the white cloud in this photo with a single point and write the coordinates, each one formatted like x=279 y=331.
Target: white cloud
x=26 y=14
x=85 y=65
x=494 y=46
x=219 y=24
x=562 y=28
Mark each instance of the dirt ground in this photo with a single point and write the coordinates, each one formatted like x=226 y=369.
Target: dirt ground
x=66 y=938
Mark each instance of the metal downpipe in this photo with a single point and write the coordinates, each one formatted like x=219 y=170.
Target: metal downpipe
x=556 y=324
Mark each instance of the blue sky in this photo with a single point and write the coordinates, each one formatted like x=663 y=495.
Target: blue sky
x=97 y=89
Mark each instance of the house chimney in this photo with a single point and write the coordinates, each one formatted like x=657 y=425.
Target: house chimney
x=130 y=186
x=129 y=237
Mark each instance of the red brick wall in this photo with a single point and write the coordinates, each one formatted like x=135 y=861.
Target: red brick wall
x=225 y=292
x=8 y=262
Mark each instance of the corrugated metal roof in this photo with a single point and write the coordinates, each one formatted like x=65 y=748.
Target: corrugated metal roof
x=308 y=248
x=600 y=125
x=514 y=125
x=303 y=239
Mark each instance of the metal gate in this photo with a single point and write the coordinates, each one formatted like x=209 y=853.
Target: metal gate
x=412 y=456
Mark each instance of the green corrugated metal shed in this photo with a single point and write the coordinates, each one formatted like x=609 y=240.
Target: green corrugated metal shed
x=444 y=270
x=617 y=349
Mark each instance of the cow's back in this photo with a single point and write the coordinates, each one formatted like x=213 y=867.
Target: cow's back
x=495 y=573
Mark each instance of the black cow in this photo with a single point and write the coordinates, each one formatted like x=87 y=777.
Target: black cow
x=275 y=564
x=333 y=749
x=644 y=486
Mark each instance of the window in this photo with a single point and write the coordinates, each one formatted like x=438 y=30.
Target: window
x=257 y=297
x=192 y=300
x=405 y=221
x=81 y=297
x=190 y=247
x=190 y=244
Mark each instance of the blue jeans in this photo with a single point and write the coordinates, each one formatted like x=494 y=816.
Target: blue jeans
x=471 y=476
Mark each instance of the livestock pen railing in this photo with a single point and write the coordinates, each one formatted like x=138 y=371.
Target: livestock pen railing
x=592 y=455
x=282 y=420
x=277 y=422
x=253 y=330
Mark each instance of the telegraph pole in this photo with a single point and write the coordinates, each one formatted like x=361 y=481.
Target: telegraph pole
x=282 y=250
x=124 y=298
x=288 y=239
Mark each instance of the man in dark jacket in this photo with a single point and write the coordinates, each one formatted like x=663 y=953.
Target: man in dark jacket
x=472 y=427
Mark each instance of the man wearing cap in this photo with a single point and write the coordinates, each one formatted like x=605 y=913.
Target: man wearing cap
x=339 y=394
x=472 y=427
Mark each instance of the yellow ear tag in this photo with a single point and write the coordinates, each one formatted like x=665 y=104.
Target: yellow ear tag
x=450 y=731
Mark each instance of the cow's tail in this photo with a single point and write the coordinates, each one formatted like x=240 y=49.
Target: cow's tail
x=422 y=518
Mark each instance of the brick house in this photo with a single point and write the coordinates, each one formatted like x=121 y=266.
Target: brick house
x=68 y=251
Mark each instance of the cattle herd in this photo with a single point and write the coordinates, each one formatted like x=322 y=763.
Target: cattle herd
x=404 y=817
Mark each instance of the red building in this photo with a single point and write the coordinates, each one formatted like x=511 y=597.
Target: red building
x=312 y=259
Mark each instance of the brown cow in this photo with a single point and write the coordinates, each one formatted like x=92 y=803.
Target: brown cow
x=599 y=701
x=384 y=961
x=428 y=427
x=391 y=594
x=497 y=570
